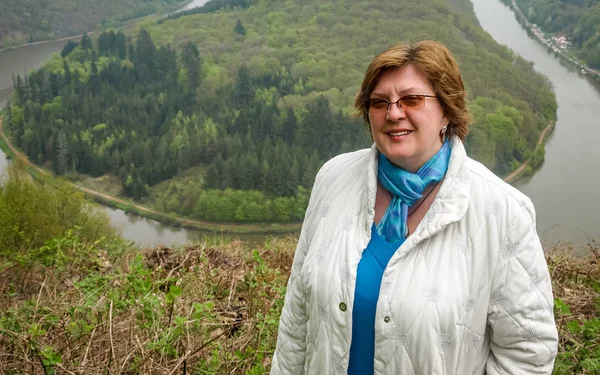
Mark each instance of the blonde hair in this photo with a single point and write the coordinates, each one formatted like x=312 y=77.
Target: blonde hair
x=437 y=63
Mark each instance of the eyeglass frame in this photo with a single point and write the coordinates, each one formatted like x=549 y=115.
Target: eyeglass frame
x=397 y=102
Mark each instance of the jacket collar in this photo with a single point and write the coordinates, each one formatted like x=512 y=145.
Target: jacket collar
x=450 y=204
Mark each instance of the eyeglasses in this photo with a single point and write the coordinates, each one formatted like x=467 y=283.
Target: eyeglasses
x=379 y=105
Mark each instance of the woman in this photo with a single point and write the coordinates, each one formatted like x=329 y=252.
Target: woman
x=414 y=258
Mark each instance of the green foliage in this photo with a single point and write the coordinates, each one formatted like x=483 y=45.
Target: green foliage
x=32 y=215
x=252 y=206
x=561 y=308
x=581 y=354
x=50 y=358
x=537 y=158
x=495 y=138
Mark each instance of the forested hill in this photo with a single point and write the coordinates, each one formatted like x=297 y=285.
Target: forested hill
x=244 y=105
x=23 y=21
x=578 y=20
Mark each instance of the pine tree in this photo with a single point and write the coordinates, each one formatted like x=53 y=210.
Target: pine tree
x=19 y=89
x=86 y=42
x=190 y=58
x=121 y=45
x=244 y=89
x=68 y=48
x=67 y=73
x=239 y=28
x=289 y=126
x=27 y=90
x=145 y=55
x=130 y=50
x=211 y=177
x=316 y=127
x=93 y=66
x=62 y=150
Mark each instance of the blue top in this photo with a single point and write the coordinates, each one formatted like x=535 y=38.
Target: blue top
x=368 y=281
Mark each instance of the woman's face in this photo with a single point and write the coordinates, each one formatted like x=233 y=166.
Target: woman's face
x=407 y=136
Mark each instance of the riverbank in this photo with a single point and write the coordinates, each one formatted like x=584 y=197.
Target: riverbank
x=523 y=170
x=179 y=7
x=133 y=208
x=540 y=38
x=66 y=38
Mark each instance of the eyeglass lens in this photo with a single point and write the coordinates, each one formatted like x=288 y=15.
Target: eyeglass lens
x=408 y=101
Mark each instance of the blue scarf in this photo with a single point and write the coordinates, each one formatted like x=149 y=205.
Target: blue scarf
x=407 y=188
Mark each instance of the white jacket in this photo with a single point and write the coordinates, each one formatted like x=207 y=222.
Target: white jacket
x=467 y=293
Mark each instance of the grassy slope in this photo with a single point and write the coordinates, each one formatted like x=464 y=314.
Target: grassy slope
x=211 y=309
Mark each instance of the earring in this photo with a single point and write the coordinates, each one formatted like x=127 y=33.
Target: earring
x=443 y=133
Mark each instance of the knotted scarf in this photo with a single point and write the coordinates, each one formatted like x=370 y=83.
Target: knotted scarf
x=407 y=188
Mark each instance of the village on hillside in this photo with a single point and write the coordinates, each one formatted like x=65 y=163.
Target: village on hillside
x=558 y=42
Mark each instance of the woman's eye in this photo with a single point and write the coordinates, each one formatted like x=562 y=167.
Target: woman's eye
x=411 y=100
x=378 y=103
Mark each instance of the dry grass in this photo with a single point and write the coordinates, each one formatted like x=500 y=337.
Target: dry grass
x=576 y=286
x=194 y=310
x=573 y=280
x=199 y=309
x=106 y=184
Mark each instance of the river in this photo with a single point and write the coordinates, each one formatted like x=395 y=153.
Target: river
x=193 y=4
x=564 y=190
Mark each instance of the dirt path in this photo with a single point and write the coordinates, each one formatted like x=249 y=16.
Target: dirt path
x=518 y=171
x=45 y=41
x=92 y=32
x=65 y=38
x=196 y=223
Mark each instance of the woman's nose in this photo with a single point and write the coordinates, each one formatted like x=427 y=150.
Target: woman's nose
x=395 y=112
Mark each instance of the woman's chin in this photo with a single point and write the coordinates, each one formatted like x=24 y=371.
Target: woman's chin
x=396 y=152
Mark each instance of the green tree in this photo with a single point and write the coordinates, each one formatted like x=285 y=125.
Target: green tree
x=190 y=58
x=145 y=53
x=62 y=151
x=67 y=72
x=121 y=45
x=239 y=28
x=244 y=89
x=86 y=42
x=68 y=48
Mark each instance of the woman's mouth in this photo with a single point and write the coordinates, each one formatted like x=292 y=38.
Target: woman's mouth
x=399 y=134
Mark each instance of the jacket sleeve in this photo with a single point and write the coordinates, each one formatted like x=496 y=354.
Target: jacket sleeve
x=290 y=352
x=524 y=338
